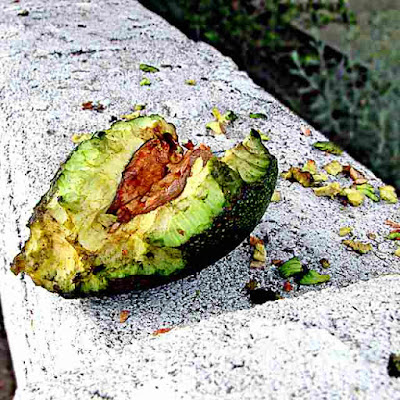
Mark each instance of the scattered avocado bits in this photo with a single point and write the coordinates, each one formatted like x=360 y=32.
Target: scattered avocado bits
x=368 y=190
x=145 y=82
x=345 y=230
x=310 y=166
x=397 y=252
x=219 y=126
x=331 y=190
x=359 y=247
x=388 y=193
x=258 y=116
x=132 y=209
x=190 y=82
x=395 y=235
x=139 y=107
x=354 y=196
x=333 y=168
x=148 y=68
x=313 y=277
x=290 y=268
x=329 y=147
x=276 y=196
x=295 y=174
x=259 y=253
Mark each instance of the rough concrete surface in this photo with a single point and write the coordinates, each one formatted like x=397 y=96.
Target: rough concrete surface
x=329 y=341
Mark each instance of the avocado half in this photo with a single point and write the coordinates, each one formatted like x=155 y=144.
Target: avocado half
x=132 y=209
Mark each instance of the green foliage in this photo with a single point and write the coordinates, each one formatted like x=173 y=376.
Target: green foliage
x=358 y=110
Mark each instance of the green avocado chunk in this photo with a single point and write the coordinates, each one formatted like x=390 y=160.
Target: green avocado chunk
x=78 y=247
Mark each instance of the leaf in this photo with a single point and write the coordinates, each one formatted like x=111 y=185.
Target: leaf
x=258 y=116
x=331 y=190
x=329 y=147
x=148 y=68
x=358 y=247
x=333 y=168
x=345 y=230
x=123 y=316
x=388 y=193
x=145 y=82
x=290 y=268
x=313 y=278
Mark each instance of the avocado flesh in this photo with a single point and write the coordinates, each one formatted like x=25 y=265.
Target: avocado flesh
x=73 y=251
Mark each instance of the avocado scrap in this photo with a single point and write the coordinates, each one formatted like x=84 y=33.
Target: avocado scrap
x=329 y=147
x=358 y=247
x=258 y=116
x=259 y=254
x=333 y=168
x=145 y=82
x=331 y=190
x=313 y=277
x=148 y=68
x=388 y=193
x=219 y=125
x=354 y=196
x=345 y=230
x=132 y=209
x=368 y=190
x=290 y=268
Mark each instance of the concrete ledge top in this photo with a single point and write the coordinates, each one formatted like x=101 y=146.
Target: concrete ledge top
x=330 y=341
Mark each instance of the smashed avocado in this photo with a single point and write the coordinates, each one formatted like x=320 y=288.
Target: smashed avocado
x=131 y=208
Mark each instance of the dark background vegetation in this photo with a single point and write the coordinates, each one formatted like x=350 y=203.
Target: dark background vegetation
x=348 y=89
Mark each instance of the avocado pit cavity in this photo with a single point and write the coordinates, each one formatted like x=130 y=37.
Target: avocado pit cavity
x=156 y=174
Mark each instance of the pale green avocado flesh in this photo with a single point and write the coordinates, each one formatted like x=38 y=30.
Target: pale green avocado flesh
x=72 y=247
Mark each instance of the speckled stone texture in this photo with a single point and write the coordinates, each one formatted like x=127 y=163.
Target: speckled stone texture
x=321 y=342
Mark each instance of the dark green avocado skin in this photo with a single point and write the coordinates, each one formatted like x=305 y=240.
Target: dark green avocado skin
x=227 y=232
x=233 y=225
